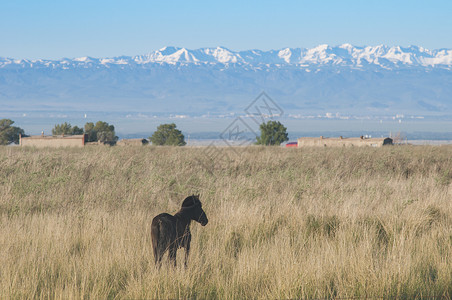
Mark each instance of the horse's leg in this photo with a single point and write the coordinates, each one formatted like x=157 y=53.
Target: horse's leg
x=187 y=252
x=158 y=255
x=172 y=254
x=156 y=258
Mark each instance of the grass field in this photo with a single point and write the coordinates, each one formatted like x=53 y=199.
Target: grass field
x=283 y=223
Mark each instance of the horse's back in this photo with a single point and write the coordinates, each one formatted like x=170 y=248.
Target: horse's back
x=163 y=217
x=163 y=228
x=164 y=220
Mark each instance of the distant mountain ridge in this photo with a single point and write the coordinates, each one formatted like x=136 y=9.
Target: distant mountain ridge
x=344 y=79
x=344 y=55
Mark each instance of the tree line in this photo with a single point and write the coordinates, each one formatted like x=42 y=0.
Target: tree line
x=272 y=133
x=99 y=132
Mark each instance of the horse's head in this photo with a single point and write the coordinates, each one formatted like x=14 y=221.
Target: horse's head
x=193 y=204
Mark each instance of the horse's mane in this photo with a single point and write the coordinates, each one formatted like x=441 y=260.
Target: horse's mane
x=191 y=201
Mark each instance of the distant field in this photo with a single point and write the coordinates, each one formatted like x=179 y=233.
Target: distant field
x=283 y=223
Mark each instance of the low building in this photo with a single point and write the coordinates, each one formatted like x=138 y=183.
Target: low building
x=41 y=141
x=343 y=142
x=132 y=142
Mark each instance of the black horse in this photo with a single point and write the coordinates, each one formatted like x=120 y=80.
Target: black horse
x=173 y=232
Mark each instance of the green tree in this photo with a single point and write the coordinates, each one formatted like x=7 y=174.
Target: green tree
x=167 y=134
x=91 y=134
x=106 y=137
x=272 y=133
x=9 y=134
x=77 y=130
x=105 y=132
x=102 y=132
x=66 y=129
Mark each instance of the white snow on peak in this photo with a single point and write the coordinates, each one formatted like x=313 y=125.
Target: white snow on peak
x=346 y=46
x=379 y=56
x=83 y=59
x=168 y=50
x=223 y=55
x=285 y=54
x=320 y=48
x=321 y=54
x=396 y=54
x=169 y=55
x=442 y=57
x=105 y=61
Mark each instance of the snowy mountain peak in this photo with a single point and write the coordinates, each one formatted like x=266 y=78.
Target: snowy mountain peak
x=346 y=46
x=345 y=55
x=320 y=48
x=80 y=59
x=285 y=54
x=223 y=55
x=168 y=50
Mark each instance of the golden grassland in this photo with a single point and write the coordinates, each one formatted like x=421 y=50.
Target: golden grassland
x=283 y=223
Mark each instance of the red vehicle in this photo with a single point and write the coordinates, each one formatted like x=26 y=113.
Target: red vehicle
x=292 y=144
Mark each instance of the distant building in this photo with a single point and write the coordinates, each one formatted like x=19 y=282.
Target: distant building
x=132 y=142
x=41 y=141
x=343 y=142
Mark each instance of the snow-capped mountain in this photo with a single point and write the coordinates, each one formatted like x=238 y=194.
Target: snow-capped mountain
x=322 y=55
x=345 y=79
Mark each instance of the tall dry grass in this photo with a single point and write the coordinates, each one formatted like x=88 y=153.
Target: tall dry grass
x=283 y=223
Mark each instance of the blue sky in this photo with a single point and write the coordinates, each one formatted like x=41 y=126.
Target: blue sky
x=98 y=28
